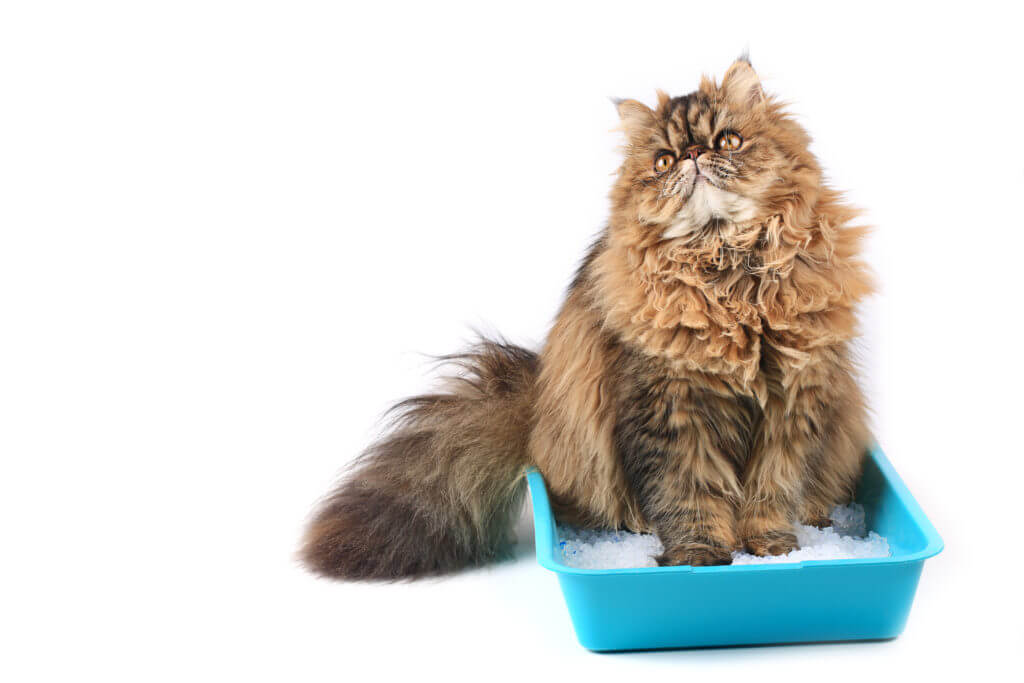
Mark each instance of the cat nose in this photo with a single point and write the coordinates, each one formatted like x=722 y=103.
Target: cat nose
x=694 y=151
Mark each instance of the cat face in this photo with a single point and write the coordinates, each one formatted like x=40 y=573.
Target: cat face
x=723 y=155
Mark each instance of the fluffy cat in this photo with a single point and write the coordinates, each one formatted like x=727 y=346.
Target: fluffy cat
x=697 y=381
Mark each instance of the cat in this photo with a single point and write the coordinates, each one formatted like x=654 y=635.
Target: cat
x=697 y=382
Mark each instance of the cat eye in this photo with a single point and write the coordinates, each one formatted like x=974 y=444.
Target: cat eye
x=664 y=161
x=728 y=141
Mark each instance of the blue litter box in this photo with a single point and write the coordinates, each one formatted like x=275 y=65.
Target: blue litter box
x=815 y=601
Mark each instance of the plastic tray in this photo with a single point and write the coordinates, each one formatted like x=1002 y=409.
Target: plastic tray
x=815 y=601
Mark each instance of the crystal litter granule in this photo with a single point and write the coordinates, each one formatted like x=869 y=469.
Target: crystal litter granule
x=845 y=539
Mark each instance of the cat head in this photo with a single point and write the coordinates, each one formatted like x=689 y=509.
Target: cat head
x=726 y=154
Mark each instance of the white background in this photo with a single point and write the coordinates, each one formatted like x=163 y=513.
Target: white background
x=230 y=230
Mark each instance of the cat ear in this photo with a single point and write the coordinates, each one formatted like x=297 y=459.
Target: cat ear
x=741 y=84
x=635 y=116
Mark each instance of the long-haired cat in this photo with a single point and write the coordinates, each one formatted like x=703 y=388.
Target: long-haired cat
x=696 y=383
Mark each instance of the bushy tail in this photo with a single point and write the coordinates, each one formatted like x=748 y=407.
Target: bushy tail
x=441 y=490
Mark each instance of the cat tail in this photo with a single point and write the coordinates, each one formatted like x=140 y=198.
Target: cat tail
x=442 y=490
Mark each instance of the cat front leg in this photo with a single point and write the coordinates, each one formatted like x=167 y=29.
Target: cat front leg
x=807 y=450
x=681 y=449
x=774 y=478
x=788 y=445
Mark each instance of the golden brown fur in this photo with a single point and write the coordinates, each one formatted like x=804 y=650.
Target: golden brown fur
x=697 y=381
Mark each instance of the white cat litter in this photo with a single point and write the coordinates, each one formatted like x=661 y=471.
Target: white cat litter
x=845 y=539
x=600 y=549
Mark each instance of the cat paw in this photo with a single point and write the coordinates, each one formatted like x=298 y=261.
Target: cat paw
x=695 y=556
x=771 y=543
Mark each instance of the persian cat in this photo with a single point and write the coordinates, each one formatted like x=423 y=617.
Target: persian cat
x=697 y=381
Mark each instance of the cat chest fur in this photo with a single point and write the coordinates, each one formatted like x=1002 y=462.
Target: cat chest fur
x=727 y=313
